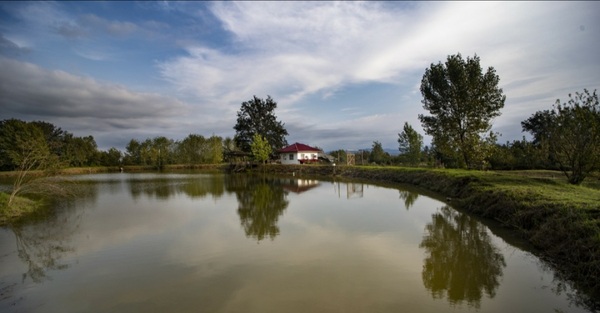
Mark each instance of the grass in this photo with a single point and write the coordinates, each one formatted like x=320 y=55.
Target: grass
x=19 y=209
x=561 y=220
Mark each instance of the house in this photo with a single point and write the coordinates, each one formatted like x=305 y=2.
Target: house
x=299 y=153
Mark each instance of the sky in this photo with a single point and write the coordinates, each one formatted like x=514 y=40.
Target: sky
x=343 y=74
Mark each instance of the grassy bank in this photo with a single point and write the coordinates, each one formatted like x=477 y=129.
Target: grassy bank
x=21 y=207
x=562 y=221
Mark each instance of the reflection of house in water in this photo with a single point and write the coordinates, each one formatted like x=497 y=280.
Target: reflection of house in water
x=299 y=185
x=353 y=190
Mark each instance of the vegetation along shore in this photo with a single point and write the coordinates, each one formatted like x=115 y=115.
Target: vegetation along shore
x=553 y=201
x=560 y=220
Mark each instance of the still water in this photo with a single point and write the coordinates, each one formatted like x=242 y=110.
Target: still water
x=193 y=242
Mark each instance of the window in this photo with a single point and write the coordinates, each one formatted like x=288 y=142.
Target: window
x=291 y=156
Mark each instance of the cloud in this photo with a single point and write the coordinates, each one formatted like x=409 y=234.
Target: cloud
x=9 y=48
x=331 y=66
x=114 y=28
x=29 y=90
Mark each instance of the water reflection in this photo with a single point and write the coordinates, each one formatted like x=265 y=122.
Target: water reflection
x=163 y=187
x=462 y=262
x=353 y=190
x=42 y=245
x=363 y=254
x=408 y=197
x=261 y=202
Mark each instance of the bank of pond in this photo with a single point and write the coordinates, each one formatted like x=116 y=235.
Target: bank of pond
x=533 y=213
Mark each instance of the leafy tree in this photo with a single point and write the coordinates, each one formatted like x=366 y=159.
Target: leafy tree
x=520 y=155
x=339 y=155
x=161 y=151
x=112 y=157
x=257 y=117
x=132 y=153
x=23 y=146
x=261 y=150
x=462 y=101
x=571 y=133
x=410 y=143
x=191 y=149
x=377 y=155
x=228 y=145
x=214 y=150
x=80 y=151
x=55 y=138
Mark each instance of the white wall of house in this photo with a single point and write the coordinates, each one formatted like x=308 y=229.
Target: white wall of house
x=294 y=157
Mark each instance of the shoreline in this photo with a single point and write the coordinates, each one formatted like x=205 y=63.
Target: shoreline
x=561 y=221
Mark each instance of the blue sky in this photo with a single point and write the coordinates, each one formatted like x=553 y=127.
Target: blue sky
x=344 y=74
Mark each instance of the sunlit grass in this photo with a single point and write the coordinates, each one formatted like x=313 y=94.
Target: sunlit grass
x=19 y=207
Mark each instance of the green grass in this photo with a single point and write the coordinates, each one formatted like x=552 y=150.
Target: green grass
x=534 y=189
x=20 y=208
x=560 y=220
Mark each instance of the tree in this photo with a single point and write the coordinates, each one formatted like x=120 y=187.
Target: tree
x=24 y=146
x=410 y=143
x=257 y=117
x=462 y=101
x=214 y=150
x=378 y=156
x=132 y=153
x=112 y=157
x=55 y=138
x=191 y=149
x=571 y=133
x=261 y=150
x=161 y=151
x=339 y=155
x=80 y=151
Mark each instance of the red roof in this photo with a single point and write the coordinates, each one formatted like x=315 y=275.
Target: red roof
x=298 y=147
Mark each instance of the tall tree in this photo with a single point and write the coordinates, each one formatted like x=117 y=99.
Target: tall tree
x=112 y=157
x=215 y=150
x=257 y=116
x=410 y=143
x=161 y=151
x=260 y=148
x=80 y=151
x=23 y=146
x=191 y=149
x=462 y=101
x=571 y=132
x=378 y=156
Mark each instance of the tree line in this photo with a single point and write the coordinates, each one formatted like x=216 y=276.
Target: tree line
x=461 y=100
x=42 y=145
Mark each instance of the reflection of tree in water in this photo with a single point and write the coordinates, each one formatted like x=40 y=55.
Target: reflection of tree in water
x=41 y=245
x=462 y=262
x=261 y=202
x=409 y=198
x=166 y=187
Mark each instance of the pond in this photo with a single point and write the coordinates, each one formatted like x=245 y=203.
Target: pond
x=194 y=242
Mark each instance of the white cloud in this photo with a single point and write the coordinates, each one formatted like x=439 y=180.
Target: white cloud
x=298 y=49
x=307 y=54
